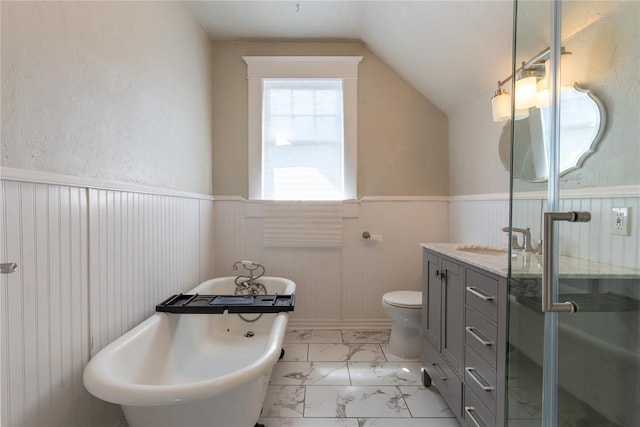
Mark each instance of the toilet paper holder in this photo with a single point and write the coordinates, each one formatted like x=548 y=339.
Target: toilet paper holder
x=372 y=237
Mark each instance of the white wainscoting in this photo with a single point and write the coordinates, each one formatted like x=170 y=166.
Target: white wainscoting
x=594 y=240
x=143 y=248
x=45 y=325
x=92 y=263
x=480 y=218
x=473 y=220
x=338 y=286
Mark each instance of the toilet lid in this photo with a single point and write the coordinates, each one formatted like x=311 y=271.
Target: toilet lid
x=407 y=299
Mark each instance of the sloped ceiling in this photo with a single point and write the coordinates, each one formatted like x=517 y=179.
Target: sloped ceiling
x=451 y=51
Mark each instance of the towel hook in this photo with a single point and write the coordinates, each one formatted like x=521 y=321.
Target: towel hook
x=8 y=268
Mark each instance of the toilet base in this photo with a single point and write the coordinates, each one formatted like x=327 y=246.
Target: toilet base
x=404 y=342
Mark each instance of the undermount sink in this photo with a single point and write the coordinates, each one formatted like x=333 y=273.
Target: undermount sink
x=483 y=249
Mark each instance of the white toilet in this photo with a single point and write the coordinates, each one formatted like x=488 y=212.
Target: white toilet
x=404 y=308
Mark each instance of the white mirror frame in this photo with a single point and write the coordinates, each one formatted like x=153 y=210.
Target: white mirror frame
x=505 y=148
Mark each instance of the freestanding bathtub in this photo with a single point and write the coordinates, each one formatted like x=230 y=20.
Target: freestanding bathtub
x=192 y=370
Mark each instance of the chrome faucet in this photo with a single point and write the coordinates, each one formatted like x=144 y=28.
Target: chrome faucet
x=526 y=239
x=247 y=282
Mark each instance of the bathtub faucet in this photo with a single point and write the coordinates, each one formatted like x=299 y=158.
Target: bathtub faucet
x=247 y=282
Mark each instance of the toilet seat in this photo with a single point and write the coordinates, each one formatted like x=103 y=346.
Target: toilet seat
x=403 y=299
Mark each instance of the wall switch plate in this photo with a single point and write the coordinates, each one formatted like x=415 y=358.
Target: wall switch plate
x=620 y=221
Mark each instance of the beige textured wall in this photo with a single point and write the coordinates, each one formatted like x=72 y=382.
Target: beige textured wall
x=607 y=54
x=115 y=91
x=607 y=57
x=474 y=163
x=402 y=136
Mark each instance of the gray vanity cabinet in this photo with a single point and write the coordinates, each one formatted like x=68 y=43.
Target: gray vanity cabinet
x=443 y=327
x=485 y=348
x=464 y=338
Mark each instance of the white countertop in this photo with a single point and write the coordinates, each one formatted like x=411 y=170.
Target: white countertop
x=529 y=264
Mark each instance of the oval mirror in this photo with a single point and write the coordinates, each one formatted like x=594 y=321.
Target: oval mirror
x=582 y=124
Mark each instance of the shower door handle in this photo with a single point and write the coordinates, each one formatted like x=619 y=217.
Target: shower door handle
x=548 y=305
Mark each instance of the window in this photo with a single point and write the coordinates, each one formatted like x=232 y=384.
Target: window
x=302 y=139
x=302 y=127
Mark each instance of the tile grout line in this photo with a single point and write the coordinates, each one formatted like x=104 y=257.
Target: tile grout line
x=405 y=401
x=349 y=364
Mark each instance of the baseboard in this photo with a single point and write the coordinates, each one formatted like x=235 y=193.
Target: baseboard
x=339 y=324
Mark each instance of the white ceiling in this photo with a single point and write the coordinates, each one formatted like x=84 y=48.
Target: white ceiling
x=452 y=51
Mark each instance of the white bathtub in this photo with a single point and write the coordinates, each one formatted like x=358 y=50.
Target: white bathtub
x=183 y=370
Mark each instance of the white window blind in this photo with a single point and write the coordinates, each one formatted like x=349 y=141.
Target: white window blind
x=303 y=225
x=303 y=139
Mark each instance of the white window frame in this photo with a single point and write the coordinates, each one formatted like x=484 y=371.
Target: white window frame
x=329 y=67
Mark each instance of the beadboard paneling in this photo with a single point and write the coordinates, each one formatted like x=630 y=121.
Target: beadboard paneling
x=338 y=285
x=481 y=221
x=594 y=240
x=206 y=238
x=92 y=264
x=316 y=271
x=478 y=221
x=143 y=248
x=371 y=268
x=44 y=305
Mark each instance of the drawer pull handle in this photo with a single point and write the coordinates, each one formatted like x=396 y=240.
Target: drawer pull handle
x=479 y=337
x=482 y=295
x=468 y=410
x=475 y=377
x=443 y=377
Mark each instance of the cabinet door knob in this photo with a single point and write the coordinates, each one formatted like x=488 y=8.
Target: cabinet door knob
x=443 y=275
x=437 y=273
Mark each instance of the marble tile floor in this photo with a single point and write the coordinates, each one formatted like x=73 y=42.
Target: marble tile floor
x=347 y=378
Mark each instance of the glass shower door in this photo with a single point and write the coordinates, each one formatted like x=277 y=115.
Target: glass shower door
x=574 y=287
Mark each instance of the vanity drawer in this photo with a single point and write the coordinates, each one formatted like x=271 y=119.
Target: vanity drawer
x=481 y=336
x=481 y=378
x=443 y=377
x=481 y=293
x=475 y=413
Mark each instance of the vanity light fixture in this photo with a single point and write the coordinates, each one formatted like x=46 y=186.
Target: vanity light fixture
x=526 y=89
x=542 y=97
x=501 y=105
x=531 y=88
x=567 y=69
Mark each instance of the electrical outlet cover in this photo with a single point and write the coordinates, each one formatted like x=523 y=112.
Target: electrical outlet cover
x=620 y=221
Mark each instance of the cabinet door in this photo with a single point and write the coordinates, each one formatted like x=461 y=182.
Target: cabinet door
x=453 y=314
x=431 y=299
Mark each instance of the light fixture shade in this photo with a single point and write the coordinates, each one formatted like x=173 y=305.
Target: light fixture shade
x=568 y=70
x=542 y=98
x=526 y=92
x=501 y=106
